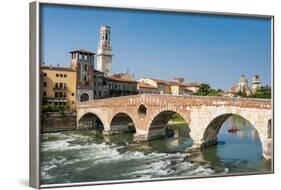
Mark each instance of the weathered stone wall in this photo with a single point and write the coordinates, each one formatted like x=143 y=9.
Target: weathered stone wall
x=51 y=121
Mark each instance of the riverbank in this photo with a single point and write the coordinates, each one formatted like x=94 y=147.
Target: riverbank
x=57 y=121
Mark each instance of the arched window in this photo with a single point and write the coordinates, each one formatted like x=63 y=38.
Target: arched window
x=84 y=97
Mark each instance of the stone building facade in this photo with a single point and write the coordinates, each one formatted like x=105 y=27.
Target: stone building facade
x=82 y=61
x=113 y=86
x=100 y=85
x=58 y=86
x=121 y=87
x=174 y=87
x=145 y=88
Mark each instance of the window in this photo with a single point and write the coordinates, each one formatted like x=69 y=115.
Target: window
x=95 y=93
x=64 y=75
x=60 y=85
x=44 y=93
x=64 y=94
x=84 y=97
x=85 y=67
x=106 y=36
x=56 y=103
x=85 y=57
x=99 y=93
x=123 y=86
x=60 y=94
x=45 y=84
x=45 y=74
x=64 y=103
x=57 y=75
x=72 y=94
x=61 y=75
x=80 y=56
x=72 y=102
x=56 y=94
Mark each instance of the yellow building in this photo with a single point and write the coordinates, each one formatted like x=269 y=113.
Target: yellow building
x=58 y=86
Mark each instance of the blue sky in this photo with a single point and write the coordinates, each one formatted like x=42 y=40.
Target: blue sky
x=200 y=48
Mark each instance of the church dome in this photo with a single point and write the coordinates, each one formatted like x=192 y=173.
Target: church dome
x=243 y=79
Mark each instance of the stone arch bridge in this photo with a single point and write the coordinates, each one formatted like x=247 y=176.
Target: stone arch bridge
x=204 y=115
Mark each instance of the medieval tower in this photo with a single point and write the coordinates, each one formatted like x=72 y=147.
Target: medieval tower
x=256 y=83
x=82 y=61
x=104 y=51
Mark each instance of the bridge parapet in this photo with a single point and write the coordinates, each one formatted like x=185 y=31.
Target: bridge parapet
x=155 y=99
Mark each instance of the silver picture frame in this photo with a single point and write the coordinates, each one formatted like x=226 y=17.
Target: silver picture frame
x=35 y=89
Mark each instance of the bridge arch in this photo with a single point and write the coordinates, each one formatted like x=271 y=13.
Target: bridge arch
x=213 y=128
x=90 y=120
x=122 y=122
x=158 y=127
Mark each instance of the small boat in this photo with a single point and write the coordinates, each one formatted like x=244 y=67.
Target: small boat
x=233 y=129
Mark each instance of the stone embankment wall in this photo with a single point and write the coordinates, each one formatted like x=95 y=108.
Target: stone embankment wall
x=54 y=121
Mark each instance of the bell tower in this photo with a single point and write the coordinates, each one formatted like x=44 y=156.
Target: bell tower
x=104 y=51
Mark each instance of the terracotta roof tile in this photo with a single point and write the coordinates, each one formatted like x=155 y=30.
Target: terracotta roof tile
x=145 y=85
x=58 y=68
x=161 y=81
x=112 y=78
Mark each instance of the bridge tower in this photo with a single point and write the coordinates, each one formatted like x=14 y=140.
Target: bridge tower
x=104 y=51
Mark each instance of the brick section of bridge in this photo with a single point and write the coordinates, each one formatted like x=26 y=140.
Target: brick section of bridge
x=202 y=114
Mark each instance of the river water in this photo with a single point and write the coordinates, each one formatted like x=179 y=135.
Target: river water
x=86 y=156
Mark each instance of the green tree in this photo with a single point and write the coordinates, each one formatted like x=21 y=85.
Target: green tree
x=206 y=90
x=262 y=92
x=241 y=94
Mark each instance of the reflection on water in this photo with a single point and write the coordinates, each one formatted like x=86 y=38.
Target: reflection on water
x=240 y=151
x=81 y=156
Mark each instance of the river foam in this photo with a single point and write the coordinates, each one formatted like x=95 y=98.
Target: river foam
x=78 y=153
